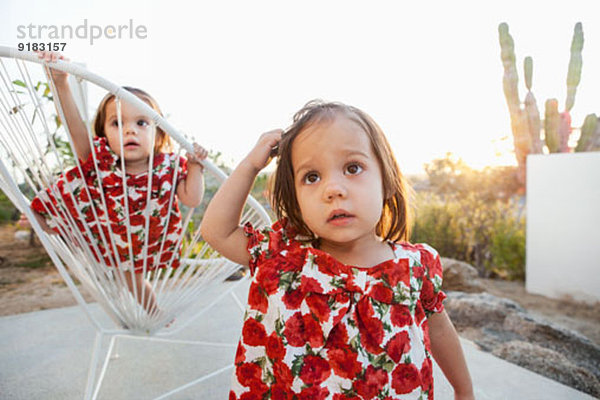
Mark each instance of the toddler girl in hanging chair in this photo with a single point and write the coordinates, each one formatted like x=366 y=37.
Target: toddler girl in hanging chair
x=106 y=196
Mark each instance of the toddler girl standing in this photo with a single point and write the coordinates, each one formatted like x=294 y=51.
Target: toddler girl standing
x=104 y=164
x=340 y=307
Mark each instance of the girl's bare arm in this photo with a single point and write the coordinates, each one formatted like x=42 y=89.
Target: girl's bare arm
x=74 y=122
x=447 y=351
x=191 y=190
x=221 y=224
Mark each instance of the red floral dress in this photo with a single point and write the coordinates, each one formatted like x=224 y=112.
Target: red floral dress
x=318 y=329
x=72 y=200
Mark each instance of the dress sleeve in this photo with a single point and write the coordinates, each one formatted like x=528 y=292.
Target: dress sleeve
x=53 y=199
x=432 y=296
x=42 y=203
x=47 y=200
x=182 y=170
x=52 y=202
x=263 y=243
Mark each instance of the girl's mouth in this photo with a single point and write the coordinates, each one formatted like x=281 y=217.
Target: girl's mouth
x=131 y=146
x=340 y=217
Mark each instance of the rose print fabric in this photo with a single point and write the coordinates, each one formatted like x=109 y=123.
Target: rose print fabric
x=318 y=329
x=87 y=201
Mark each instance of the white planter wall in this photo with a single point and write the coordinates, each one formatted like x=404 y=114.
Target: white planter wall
x=563 y=225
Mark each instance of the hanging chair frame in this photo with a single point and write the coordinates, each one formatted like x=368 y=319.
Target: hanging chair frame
x=10 y=188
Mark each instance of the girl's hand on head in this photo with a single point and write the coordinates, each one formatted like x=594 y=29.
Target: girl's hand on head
x=261 y=155
x=199 y=154
x=52 y=57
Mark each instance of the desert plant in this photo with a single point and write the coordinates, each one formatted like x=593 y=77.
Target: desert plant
x=488 y=235
x=8 y=212
x=507 y=247
x=525 y=119
x=472 y=215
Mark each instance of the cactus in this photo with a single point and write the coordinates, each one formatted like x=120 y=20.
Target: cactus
x=533 y=123
x=590 y=134
x=575 y=63
x=510 y=83
x=531 y=109
x=564 y=131
x=551 y=125
x=528 y=71
x=525 y=120
x=510 y=80
x=595 y=141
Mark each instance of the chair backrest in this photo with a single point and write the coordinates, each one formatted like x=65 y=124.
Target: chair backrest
x=37 y=160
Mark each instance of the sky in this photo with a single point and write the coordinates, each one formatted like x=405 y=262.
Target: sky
x=429 y=73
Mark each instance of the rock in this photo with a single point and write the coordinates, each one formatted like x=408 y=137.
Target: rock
x=479 y=310
x=504 y=328
x=549 y=363
x=575 y=346
x=460 y=276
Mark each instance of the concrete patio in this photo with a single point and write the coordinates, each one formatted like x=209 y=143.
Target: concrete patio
x=46 y=355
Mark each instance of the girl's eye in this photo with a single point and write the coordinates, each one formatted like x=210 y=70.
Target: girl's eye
x=353 y=169
x=142 y=122
x=115 y=123
x=310 y=178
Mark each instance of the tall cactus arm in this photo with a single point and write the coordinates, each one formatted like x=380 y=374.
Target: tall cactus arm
x=575 y=64
x=528 y=72
x=531 y=109
x=551 y=125
x=510 y=79
x=518 y=119
x=533 y=122
x=522 y=142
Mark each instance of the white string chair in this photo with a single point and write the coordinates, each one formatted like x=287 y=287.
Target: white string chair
x=35 y=151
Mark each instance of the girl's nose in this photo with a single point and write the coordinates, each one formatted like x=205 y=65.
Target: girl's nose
x=130 y=128
x=334 y=190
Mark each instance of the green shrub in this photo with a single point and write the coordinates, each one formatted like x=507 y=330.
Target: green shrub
x=8 y=212
x=508 y=248
x=472 y=215
x=489 y=235
x=435 y=224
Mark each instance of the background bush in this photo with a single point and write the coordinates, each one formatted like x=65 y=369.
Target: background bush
x=471 y=215
x=8 y=212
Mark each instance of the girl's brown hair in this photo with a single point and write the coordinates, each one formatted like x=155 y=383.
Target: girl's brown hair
x=162 y=142
x=394 y=223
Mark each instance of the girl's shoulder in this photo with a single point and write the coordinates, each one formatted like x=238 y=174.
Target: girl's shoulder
x=280 y=230
x=421 y=253
x=266 y=242
x=420 y=248
x=100 y=144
